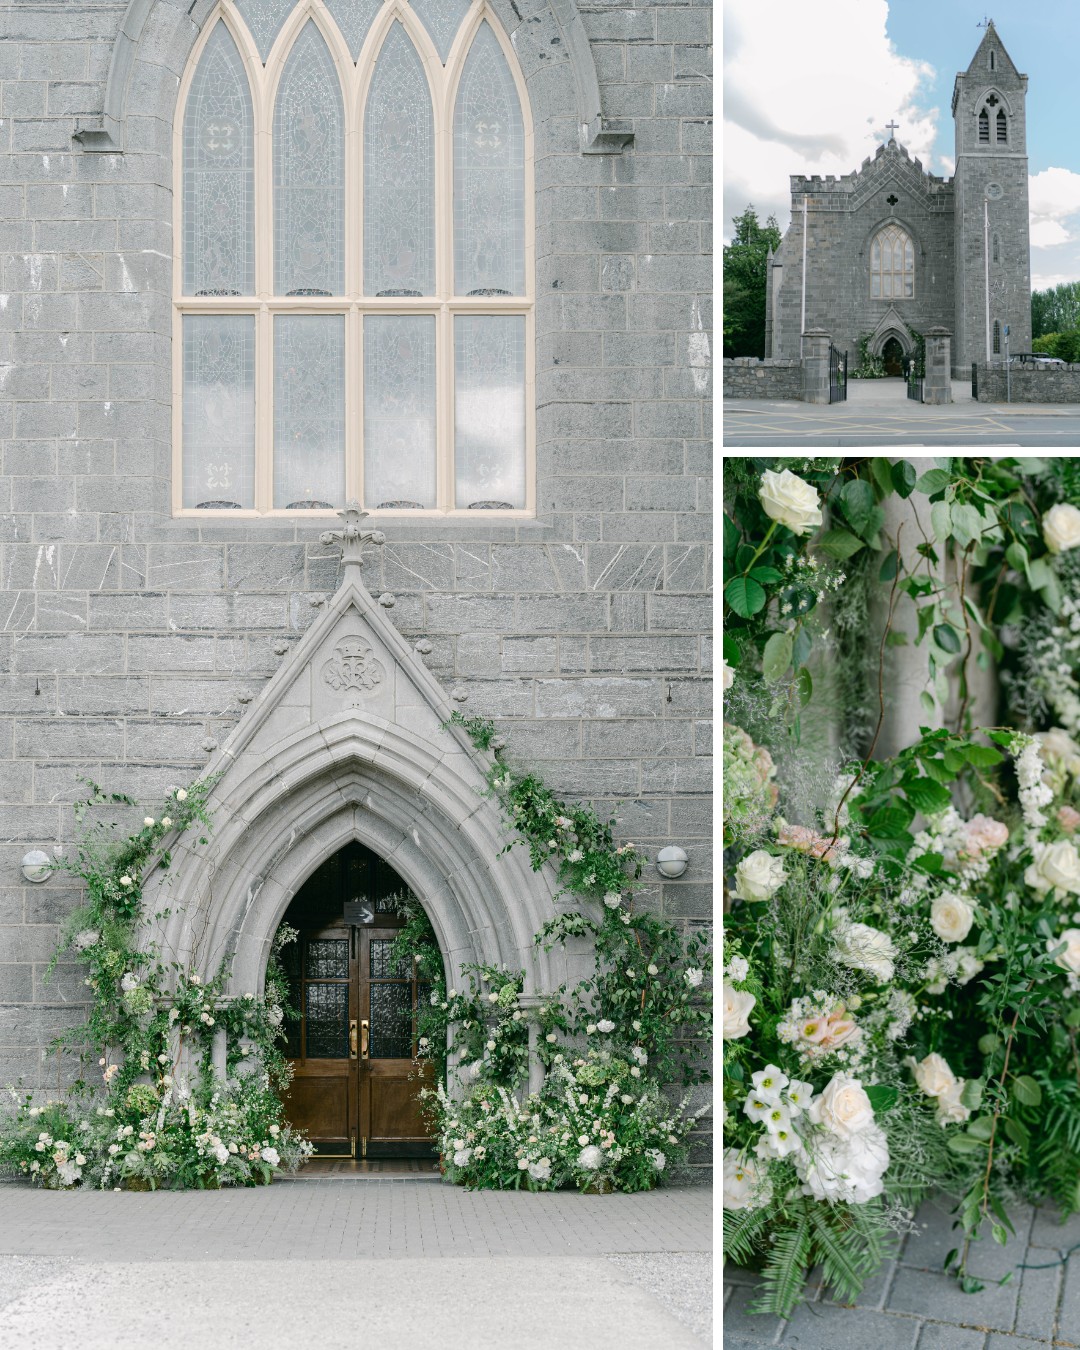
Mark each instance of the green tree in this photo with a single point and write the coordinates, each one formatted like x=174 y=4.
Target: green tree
x=1056 y=310
x=745 y=279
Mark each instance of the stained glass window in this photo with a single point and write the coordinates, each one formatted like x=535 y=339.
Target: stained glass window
x=309 y=173
x=399 y=175
x=219 y=174
x=354 y=339
x=219 y=411
x=327 y=1021
x=391 y=1021
x=442 y=19
x=399 y=410
x=354 y=18
x=264 y=18
x=489 y=411
x=892 y=265
x=328 y=959
x=309 y=411
x=489 y=175
x=382 y=967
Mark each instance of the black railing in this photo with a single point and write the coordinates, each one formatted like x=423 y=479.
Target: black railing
x=915 y=387
x=975 y=380
x=837 y=375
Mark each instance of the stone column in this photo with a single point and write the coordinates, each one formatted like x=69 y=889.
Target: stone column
x=530 y=1003
x=937 y=386
x=219 y=1054
x=815 y=366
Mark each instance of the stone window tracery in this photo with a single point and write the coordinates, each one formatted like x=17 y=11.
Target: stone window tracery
x=892 y=265
x=354 y=298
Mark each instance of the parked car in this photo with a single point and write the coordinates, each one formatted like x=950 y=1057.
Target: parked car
x=1037 y=361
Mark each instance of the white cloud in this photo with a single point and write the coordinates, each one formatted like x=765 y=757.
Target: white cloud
x=803 y=95
x=1053 y=196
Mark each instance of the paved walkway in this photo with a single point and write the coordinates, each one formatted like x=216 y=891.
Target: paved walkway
x=397 y=1264
x=911 y=1305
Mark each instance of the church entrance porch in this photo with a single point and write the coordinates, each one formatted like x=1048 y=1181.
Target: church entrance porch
x=893 y=356
x=355 y=1088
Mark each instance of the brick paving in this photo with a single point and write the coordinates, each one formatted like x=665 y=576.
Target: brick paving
x=912 y=1305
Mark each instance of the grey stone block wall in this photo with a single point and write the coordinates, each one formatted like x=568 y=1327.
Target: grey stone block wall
x=1056 y=385
x=131 y=642
x=745 y=377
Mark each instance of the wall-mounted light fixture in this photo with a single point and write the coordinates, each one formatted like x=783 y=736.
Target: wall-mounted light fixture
x=672 y=861
x=36 y=865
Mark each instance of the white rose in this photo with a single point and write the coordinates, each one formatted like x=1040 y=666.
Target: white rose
x=861 y=947
x=846 y=1169
x=1061 y=527
x=1070 y=958
x=950 y=1109
x=758 y=876
x=181 y=795
x=727 y=675
x=1056 y=867
x=612 y=899
x=951 y=917
x=738 y=1005
x=789 y=501
x=843 y=1107
x=933 y=1075
x=745 y=1183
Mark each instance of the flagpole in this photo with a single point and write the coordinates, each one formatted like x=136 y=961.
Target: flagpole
x=986 y=269
x=802 y=321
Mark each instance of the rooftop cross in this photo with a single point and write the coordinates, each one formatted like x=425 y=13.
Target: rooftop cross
x=892 y=128
x=352 y=537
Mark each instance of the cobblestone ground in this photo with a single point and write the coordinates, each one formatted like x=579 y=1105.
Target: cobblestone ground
x=351 y=1262
x=911 y=1305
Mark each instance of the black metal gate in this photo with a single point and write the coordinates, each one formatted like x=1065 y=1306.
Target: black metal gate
x=975 y=380
x=915 y=386
x=837 y=375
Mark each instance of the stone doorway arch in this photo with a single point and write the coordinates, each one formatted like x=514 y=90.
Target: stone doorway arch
x=892 y=354
x=347 y=742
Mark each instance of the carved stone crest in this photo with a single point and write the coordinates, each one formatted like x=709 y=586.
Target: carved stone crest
x=352 y=666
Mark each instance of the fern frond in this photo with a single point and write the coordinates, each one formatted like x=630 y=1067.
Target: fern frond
x=841 y=1247
x=785 y=1273
x=742 y=1231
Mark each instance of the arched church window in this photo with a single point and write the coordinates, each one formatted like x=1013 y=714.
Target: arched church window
x=892 y=265
x=991 y=60
x=354 y=291
x=995 y=249
x=1002 y=127
x=997 y=336
x=984 y=127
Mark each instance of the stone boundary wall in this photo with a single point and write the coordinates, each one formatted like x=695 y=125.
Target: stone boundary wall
x=749 y=377
x=1027 y=386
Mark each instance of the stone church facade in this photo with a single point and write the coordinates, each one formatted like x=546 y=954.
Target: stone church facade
x=891 y=250
x=152 y=587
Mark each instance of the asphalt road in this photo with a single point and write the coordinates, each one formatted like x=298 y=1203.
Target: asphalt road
x=764 y=423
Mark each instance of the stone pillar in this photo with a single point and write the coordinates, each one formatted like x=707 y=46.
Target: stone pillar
x=937 y=386
x=530 y=1003
x=219 y=1054
x=815 y=366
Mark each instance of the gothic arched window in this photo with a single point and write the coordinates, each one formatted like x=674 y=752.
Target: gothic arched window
x=1002 y=128
x=892 y=265
x=354 y=294
x=997 y=336
x=984 y=127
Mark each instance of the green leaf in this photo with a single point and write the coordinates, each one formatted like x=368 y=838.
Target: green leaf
x=971 y=1094
x=941 y=521
x=806 y=686
x=982 y=1128
x=967 y=523
x=999 y=1234
x=839 y=543
x=882 y=1097
x=1072 y=1018
x=933 y=481
x=1016 y=1131
x=895 y=639
x=1051 y=594
x=946 y=637
x=803 y=643
x=1039 y=574
x=927 y=796
x=930 y=863
x=1026 y=1091
x=768 y=576
x=963 y=1143
x=928 y=704
x=857 y=503
x=1016 y=555
x=732 y=650
x=777 y=656
x=745 y=596
x=881 y=473
x=904 y=478
x=732 y=535
x=889 y=823
x=888 y=567
x=982 y=756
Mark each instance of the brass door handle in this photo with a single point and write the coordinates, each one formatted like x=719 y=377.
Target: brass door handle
x=363 y=1040
x=352 y=1039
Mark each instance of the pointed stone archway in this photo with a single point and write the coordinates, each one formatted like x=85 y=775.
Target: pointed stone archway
x=345 y=742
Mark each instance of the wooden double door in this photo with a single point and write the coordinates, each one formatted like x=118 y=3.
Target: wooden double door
x=355 y=1086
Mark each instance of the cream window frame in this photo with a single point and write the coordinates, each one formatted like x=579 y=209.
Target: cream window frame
x=881 y=272
x=355 y=83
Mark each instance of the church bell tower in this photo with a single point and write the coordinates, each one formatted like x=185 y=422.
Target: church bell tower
x=992 y=249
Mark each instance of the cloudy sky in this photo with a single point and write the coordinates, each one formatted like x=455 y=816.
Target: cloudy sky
x=809 y=87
